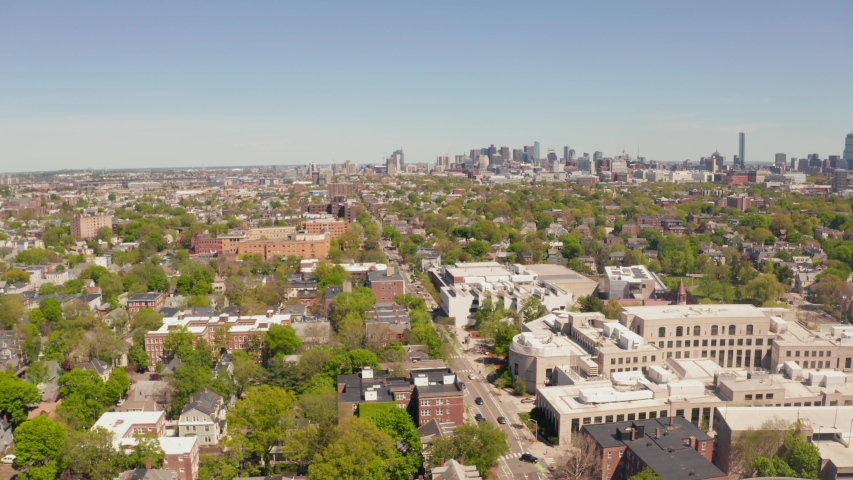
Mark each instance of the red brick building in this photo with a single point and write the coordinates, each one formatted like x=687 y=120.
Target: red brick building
x=427 y=394
x=152 y=300
x=672 y=447
x=386 y=285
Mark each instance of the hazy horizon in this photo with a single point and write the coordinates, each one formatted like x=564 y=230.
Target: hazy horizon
x=94 y=85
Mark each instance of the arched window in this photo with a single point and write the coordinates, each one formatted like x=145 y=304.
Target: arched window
x=697 y=331
x=679 y=331
x=731 y=329
x=715 y=330
x=662 y=332
x=749 y=329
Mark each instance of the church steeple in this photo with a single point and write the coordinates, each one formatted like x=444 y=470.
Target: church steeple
x=681 y=294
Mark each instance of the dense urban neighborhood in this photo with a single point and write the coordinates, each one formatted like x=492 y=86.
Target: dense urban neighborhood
x=504 y=313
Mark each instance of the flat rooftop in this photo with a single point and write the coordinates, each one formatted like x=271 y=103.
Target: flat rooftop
x=565 y=400
x=743 y=418
x=674 y=312
x=478 y=269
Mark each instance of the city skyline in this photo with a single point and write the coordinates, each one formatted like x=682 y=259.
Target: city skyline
x=124 y=86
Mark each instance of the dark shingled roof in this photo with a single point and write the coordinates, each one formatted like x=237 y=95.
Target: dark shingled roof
x=204 y=401
x=670 y=456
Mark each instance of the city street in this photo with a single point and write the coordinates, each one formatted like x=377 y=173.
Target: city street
x=520 y=439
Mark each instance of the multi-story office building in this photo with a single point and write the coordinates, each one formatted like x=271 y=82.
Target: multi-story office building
x=335 y=228
x=847 y=156
x=536 y=156
x=840 y=180
x=269 y=233
x=741 y=150
x=341 y=190
x=303 y=245
x=781 y=160
x=86 y=227
x=242 y=329
x=636 y=282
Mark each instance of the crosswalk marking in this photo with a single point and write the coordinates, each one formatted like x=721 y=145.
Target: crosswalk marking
x=550 y=461
x=510 y=456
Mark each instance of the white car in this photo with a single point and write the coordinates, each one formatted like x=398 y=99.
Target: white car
x=8 y=459
x=471 y=376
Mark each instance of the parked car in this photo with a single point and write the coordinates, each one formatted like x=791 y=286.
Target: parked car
x=478 y=400
x=526 y=457
x=502 y=420
x=528 y=400
x=471 y=376
x=479 y=417
x=10 y=459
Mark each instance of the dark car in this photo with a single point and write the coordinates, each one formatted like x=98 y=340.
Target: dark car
x=478 y=401
x=526 y=457
x=479 y=417
x=502 y=420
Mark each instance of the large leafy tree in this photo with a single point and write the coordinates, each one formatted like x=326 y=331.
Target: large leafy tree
x=282 y=340
x=177 y=342
x=84 y=398
x=763 y=288
x=37 y=445
x=399 y=425
x=481 y=445
x=15 y=395
x=532 y=308
x=90 y=454
x=12 y=311
x=259 y=421
x=52 y=309
x=360 y=451
x=358 y=301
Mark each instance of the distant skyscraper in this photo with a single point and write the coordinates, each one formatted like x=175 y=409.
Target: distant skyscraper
x=840 y=180
x=572 y=155
x=536 y=156
x=794 y=163
x=398 y=159
x=566 y=154
x=505 y=153
x=584 y=163
x=518 y=155
x=781 y=160
x=847 y=156
x=741 y=151
x=596 y=157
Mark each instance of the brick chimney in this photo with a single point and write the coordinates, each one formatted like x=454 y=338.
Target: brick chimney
x=390 y=271
x=672 y=420
x=657 y=433
x=148 y=463
x=633 y=434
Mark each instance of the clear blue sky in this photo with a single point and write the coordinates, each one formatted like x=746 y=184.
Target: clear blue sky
x=130 y=84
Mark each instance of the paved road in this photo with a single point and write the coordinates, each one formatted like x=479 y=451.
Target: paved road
x=510 y=466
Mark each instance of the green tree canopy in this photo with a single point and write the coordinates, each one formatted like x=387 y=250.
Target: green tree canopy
x=281 y=340
x=259 y=421
x=15 y=395
x=37 y=446
x=52 y=309
x=481 y=445
x=399 y=425
x=360 y=451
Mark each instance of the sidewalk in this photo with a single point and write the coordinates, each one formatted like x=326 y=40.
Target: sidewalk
x=548 y=455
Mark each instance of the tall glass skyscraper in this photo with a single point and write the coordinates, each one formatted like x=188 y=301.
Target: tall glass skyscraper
x=741 y=151
x=848 y=151
x=536 y=156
